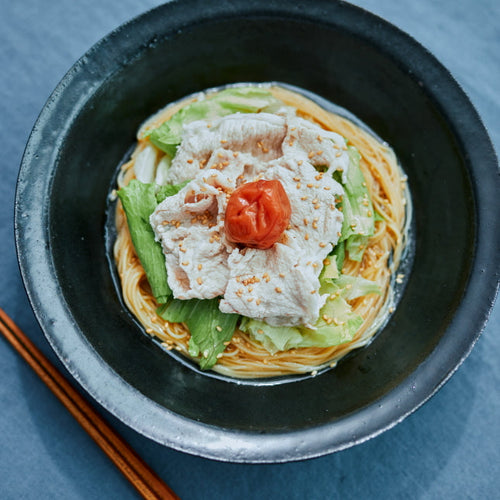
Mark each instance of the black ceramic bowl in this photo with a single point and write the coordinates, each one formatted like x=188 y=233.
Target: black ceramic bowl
x=343 y=54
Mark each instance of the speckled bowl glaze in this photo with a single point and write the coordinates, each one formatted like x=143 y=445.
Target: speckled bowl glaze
x=343 y=54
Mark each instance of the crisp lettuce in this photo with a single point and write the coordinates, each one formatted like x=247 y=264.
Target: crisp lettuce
x=272 y=338
x=359 y=220
x=333 y=331
x=139 y=201
x=337 y=323
x=232 y=100
x=167 y=190
x=352 y=287
x=209 y=327
x=330 y=269
x=339 y=254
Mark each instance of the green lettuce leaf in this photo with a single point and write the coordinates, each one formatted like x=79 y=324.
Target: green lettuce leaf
x=169 y=190
x=272 y=338
x=139 y=201
x=209 y=327
x=232 y=100
x=337 y=323
x=359 y=219
x=330 y=270
x=352 y=287
x=339 y=254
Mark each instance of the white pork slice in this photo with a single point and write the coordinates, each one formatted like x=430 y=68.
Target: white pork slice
x=279 y=285
x=260 y=135
x=321 y=147
x=186 y=227
x=272 y=285
x=190 y=227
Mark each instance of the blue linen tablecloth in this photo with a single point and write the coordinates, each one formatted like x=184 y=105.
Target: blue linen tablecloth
x=449 y=448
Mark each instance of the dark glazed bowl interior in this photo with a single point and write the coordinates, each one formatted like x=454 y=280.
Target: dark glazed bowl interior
x=343 y=54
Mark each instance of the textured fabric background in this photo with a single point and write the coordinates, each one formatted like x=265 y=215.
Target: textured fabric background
x=449 y=448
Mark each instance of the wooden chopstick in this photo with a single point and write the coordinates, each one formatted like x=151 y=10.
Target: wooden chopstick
x=130 y=464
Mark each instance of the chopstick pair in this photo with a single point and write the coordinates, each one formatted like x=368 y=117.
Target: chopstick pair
x=130 y=464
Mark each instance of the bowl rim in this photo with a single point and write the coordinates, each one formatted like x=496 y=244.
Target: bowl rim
x=132 y=407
